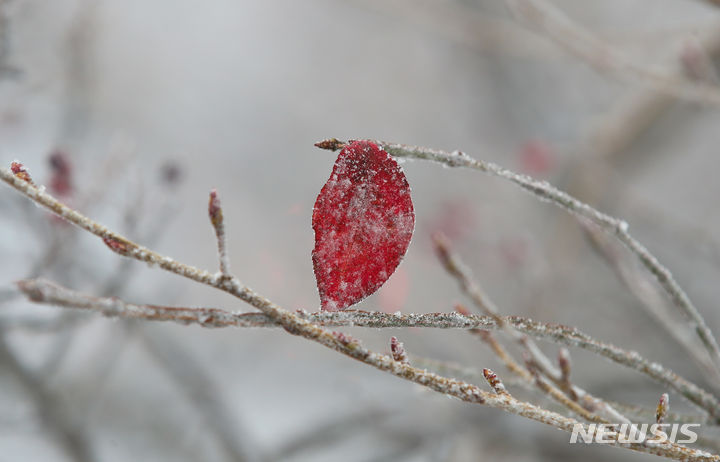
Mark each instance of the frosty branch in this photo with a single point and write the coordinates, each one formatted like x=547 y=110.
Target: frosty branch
x=297 y=325
x=547 y=192
x=537 y=363
x=46 y=292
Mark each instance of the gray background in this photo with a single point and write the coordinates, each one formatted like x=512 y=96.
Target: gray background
x=234 y=94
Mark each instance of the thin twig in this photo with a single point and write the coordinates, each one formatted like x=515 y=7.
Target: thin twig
x=647 y=414
x=564 y=364
x=637 y=412
x=562 y=398
x=200 y=389
x=296 y=325
x=398 y=350
x=662 y=408
x=218 y=222
x=455 y=266
x=503 y=355
x=42 y=291
x=565 y=397
x=494 y=381
x=66 y=433
x=546 y=192
x=651 y=299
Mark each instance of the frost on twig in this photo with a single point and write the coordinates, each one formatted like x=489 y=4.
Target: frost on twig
x=494 y=381
x=42 y=291
x=503 y=355
x=662 y=408
x=217 y=220
x=297 y=325
x=398 y=350
x=651 y=299
x=546 y=192
x=461 y=273
x=564 y=364
x=586 y=410
x=455 y=266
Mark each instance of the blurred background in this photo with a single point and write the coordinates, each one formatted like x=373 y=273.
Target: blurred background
x=132 y=111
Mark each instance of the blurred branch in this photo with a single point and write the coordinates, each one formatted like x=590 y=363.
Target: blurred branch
x=466 y=26
x=650 y=299
x=580 y=42
x=541 y=363
x=503 y=355
x=562 y=398
x=6 y=70
x=53 y=419
x=328 y=433
x=204 y=394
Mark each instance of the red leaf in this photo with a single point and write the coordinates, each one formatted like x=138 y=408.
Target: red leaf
x=363 y=221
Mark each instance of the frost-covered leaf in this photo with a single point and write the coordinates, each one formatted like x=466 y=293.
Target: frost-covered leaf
x=363 y=221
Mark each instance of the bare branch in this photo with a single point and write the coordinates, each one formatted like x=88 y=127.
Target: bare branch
x=651 y=299
x=494 y=381
x=502 y=354
x=662 y=408
x=398 y=350
x=562 y=398
x=199 y=388
x=611 y=225
x=564 y=364
x=455 y=266
x=647 y=414
x=67 y=435
x=296 y=325
x=42 y=291
x=217 y=220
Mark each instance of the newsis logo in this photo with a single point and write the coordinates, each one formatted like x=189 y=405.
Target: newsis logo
x=634 y=433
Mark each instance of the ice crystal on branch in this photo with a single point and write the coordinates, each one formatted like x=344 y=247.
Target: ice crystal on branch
x=398 y=350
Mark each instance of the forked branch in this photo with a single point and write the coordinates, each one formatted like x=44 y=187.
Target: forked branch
x=546 y=192
x=42 y=291
x=339 y=342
